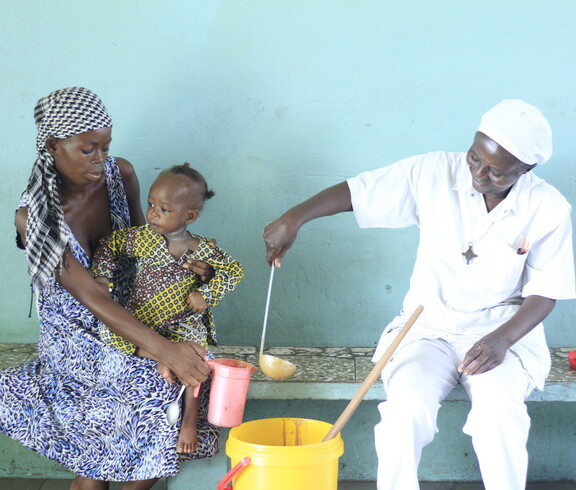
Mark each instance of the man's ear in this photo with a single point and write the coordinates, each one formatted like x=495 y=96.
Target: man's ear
x=192 y=216
x=51 y=145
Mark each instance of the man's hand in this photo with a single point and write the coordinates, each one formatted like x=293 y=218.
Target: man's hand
x=490 y=350
x=484 y=355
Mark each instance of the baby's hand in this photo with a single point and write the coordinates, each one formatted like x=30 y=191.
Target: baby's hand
x=163 y=369
x=166 y=373
x=103 y=283
x=196 y=302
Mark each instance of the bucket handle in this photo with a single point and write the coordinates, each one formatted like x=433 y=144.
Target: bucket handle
x=232 y=473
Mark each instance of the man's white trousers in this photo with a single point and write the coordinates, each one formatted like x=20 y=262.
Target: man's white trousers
x=417 y=380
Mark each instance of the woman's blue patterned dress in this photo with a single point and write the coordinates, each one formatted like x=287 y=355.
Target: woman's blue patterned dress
x=86 y=405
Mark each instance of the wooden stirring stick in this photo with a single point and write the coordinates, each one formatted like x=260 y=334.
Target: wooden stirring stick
x=371 y=378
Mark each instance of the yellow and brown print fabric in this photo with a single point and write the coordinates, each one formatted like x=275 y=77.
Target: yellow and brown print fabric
x=158 y=294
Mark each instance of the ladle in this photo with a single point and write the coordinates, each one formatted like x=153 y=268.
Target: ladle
x=273 y=366
x=173 y=410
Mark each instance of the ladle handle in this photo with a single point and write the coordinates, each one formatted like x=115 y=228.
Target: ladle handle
x=266 y=309
x=372 y=377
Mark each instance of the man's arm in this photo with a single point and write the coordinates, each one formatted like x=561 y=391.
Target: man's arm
x=280 y=234
x=490 y=350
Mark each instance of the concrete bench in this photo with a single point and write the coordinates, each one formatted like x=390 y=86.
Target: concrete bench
x=330 y=374
x=335 y=373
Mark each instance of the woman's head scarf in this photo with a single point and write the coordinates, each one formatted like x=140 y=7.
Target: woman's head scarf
x=61 y=114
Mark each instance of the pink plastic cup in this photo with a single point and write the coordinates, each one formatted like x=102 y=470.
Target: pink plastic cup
x=230 y=381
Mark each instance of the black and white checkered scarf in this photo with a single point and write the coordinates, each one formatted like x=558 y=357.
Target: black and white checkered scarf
x=61 y=114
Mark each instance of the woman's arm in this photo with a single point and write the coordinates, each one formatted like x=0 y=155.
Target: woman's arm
x=185 y=359
x=132 y=188
x=20 y=223
x=280 y=234
x=491 y=349
x=202 y=269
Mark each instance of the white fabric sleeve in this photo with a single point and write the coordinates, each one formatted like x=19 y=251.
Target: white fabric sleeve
x=385 y=198
x=550 y=264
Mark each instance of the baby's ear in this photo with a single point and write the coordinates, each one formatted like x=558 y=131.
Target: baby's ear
x=192 y=216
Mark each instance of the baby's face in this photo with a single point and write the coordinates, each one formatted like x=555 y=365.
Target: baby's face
x=169 y=208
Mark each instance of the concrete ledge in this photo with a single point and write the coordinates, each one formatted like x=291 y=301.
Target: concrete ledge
x=334 y=373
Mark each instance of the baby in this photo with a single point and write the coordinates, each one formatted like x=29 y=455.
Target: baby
x=166 y=296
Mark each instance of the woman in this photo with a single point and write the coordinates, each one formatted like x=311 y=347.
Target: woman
x=91 y=408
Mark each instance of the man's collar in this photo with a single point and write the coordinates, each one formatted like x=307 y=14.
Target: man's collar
x=517 y=198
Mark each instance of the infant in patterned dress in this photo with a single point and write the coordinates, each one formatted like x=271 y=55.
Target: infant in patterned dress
x=164 y=295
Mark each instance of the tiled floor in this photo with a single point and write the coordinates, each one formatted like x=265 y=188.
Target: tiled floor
x=33 y=484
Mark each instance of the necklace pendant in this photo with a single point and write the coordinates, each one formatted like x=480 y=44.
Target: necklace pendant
x=469 y=254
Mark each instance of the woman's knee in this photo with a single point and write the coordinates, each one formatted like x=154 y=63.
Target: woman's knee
x=140 y=485
x=83 y=483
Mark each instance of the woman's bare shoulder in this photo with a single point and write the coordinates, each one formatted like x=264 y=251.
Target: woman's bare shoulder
x=20 y=221
x=126 y=168
x=132 y=188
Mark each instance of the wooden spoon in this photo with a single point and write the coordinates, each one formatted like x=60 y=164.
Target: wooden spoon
x=372 y=377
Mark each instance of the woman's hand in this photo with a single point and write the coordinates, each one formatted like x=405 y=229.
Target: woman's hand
x=202 y=269
x=186 y=361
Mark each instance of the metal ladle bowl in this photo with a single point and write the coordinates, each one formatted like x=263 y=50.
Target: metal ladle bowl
x=275 y=367
x=272 y=366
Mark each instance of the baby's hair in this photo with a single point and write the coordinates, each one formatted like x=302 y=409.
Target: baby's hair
x=186 y=170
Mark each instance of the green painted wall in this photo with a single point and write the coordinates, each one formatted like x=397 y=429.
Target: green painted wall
x=273 y=101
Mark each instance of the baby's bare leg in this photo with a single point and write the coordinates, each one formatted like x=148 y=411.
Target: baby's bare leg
x=188 y=438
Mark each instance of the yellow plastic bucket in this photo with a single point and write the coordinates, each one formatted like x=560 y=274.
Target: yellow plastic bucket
x=283 y=454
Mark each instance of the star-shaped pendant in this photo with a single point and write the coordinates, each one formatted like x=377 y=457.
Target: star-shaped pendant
x=469 y=254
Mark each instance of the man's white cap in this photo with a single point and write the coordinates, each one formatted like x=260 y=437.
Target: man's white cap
x=521 y=129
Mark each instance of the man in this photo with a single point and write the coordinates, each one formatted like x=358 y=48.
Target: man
x=495 y=254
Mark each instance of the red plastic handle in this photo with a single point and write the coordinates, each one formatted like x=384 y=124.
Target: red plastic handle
x=232 y=474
